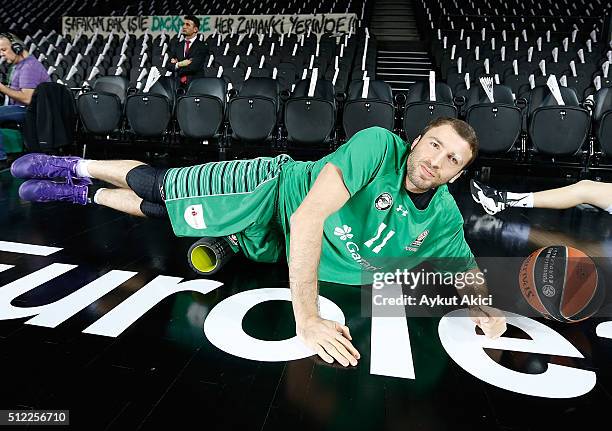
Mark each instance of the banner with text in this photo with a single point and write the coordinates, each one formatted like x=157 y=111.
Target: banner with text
x=334 y=24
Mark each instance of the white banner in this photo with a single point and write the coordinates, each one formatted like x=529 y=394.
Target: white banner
x=336 y=23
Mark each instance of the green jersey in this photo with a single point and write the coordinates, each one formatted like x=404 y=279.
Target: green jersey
x=379 y=225
x=378 y=228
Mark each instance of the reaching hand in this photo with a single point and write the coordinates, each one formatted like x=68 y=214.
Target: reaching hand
x=329 y=339
x=491 y=320
x=184 y=63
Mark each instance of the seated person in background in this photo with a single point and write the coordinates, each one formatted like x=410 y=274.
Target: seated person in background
x=189 y=55
x=25 y=73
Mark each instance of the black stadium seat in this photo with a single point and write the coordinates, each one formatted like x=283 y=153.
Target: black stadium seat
x=498 y=124
x=602 y=118
x=200 y=112
x=101 y=110
x=253 y=113
x=149 y=113
x=375 y=110
x=557 y=129
x=311 y=120
x=419 y=110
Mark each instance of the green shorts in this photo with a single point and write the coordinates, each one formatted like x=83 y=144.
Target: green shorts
x=224 y=198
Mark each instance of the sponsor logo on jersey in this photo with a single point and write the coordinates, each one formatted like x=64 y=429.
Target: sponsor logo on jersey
x=383 y=202
x=414 y=245
x=194 y=216
x=344 y=233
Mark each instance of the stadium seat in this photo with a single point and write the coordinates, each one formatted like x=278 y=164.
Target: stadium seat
x=101 y=110
x=602 y=119
x=311 y=119
x=557 y=129
x=149 y=113
x=253 y=113
x=498 y=124
x=201 y=111
x=376 y=109
x=420 y=110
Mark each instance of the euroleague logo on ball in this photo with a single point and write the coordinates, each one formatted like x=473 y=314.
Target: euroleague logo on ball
x=562 y=283
x=548 y=290
x=383 y=202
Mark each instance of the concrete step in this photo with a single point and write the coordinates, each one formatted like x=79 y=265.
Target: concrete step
x=403 y=60
x=407 y=53
x=386 y=8
x=395 y=17
x=391 y=68
x=379 y=33
x=398 y=82
x=398 y=74
x=399 y=39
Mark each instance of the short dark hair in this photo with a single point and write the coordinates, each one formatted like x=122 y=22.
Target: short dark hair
x=462 y=128
x=194 y=19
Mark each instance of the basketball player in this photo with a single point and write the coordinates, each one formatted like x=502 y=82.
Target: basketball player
x=583 y=192
x=341 y=218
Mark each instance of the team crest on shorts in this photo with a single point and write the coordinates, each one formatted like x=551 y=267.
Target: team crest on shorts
x=194 y=216
x=233 y=239
x=383 y=202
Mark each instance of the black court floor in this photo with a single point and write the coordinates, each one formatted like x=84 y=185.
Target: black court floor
x=116 y=366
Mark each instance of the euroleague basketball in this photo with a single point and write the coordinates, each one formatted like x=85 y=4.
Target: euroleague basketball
x=561 y=283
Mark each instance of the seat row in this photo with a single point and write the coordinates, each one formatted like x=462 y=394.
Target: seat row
x=539 y=123
x=208 y=110
x=78 y=61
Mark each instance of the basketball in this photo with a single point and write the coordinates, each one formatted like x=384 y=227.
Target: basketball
x=561 y=283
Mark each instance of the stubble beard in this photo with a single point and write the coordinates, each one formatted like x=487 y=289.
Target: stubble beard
x=412 y=167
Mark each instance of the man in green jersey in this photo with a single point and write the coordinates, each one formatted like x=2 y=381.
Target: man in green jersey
x=339 y=218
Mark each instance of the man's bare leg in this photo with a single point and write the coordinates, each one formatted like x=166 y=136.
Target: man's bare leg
x=41 y=169
x=112 y=171
x=124 y=200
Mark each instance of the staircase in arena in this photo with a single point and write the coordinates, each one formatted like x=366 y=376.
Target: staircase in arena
x=394 y=21
x=402 y=58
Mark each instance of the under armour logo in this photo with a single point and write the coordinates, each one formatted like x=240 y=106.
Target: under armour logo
x=402 y=210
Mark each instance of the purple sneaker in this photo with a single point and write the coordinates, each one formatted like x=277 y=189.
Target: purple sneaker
x=42 y=166
x=49 y=191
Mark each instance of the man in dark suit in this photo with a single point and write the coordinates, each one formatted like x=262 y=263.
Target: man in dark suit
x=189 y=56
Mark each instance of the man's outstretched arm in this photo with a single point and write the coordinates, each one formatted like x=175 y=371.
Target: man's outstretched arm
x=329 y=339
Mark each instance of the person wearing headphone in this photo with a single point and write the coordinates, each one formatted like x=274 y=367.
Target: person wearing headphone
x=25 y=73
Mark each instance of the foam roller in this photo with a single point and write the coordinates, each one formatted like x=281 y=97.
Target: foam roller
x=208 y=255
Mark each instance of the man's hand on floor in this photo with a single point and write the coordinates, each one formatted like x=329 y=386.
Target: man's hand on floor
x=329 y=339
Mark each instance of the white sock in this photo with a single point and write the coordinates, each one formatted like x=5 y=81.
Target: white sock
x=81 y=169
x=524 y=200
x=609 y=209
x=97 y=194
